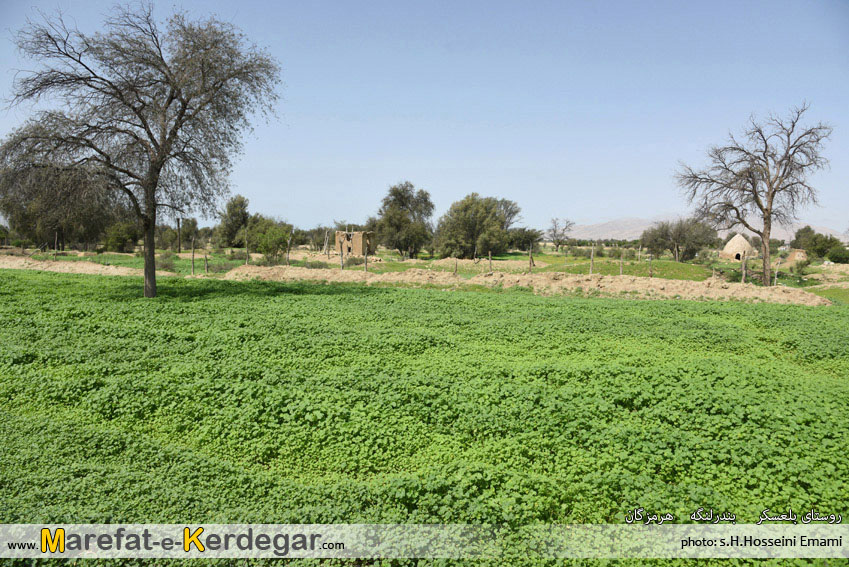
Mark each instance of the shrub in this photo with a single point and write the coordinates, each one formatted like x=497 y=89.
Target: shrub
x=236 y=255
x=799 y=267
x=215 y=268
x=313 y=265
x=165 y=261
x=354 y=261
x=839 y=255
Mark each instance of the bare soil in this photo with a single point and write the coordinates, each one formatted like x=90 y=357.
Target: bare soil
x=549 y=283
x=22 y=263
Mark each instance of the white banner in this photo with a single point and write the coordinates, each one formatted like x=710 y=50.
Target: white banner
x=421 y=541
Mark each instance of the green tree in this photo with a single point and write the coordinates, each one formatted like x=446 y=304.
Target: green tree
x=403 y=220
x=817 y=245
x=268 y=237
x=473 y=225
x=524 y=238
x=158 y=111
x=803 y=238
x=683 y=238
x=46 y=203
x=122 y=236
x=822 y=243
x=188 y=230
x=234 y=218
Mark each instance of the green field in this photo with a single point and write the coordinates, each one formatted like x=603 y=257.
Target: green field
x=307 y=403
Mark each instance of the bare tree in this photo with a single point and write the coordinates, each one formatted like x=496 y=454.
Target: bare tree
x=558 y=232
x=764 y=175
x=159 y=113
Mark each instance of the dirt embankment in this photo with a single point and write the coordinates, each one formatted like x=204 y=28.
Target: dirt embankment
x=482 y=264
x=70 y=267
x=549 y=283
x=836 y=274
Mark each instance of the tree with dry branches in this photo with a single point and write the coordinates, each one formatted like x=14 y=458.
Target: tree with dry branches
x=558 y=232
x=158 y=113
x=761 y=178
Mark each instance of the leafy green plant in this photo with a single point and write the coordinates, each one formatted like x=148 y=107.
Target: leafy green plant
x=256 y=402
x=839 y=255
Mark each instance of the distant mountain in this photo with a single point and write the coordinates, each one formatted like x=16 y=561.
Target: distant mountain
x=632 y=228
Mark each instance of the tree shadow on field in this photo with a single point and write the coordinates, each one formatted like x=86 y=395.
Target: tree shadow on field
x=184 y=290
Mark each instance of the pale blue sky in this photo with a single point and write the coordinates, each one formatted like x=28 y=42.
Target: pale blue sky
x=580 y=110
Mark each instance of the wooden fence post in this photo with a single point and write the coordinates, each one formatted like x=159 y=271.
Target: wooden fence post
x=490 y=261
x=193 y=255
x=743 y=267
x=205 y=264
x=592 y=258
x=366 y=264
x=530 y=260
x=651 y=266
x=455 y=266
x=776 y=271
x=621 y=258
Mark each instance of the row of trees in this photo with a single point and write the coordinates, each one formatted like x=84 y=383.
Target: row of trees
x=149 y=117
x=818 y=245
x=473 y=226
x=683 y=238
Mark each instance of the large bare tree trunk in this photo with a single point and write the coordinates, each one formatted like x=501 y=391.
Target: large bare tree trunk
x=766 y=253
x=150 y=257
x=149 y=227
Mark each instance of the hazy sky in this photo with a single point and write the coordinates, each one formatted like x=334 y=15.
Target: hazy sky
x=580 y=110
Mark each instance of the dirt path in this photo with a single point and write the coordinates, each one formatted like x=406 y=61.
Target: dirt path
x=549 y=283
x=71 y=267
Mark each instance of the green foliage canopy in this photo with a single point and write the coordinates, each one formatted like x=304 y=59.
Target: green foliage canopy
x=476 y=224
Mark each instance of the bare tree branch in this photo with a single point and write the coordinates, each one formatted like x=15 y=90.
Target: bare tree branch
x=159 y=111
x=762 y=175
